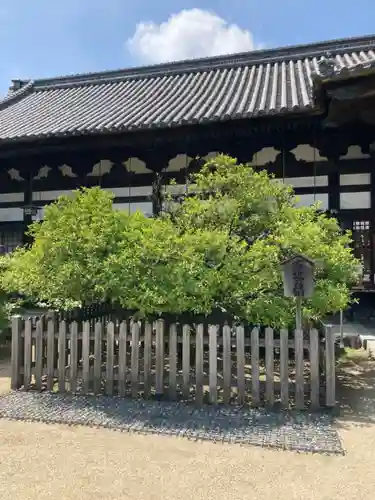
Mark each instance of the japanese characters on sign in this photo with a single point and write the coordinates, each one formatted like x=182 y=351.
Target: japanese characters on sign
x=298 y=276
x=298 y=279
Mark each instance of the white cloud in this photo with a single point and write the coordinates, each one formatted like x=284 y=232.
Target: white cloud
x=186 y=35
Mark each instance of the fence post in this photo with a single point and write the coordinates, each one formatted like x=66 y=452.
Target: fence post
x=39 y=352
x=16 y=353
x=227 y=367
x=186 y=361
x=199 y=332
x=330 y=368
x=299 y=360
x=270 y=366
x=314 y=368
x=241 y=387
x=61 y=356
x=159 y=362
x=212 y=333
x=172 y=360
x=284 y=367
x=110 y=341
x=51 y=328
x=135 y=359
x=255 y=386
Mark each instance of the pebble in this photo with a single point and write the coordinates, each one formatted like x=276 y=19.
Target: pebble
x=284 y=430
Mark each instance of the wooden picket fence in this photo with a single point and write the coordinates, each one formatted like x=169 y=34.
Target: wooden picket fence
x=202 y=363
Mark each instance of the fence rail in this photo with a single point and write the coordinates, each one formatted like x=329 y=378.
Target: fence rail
x=207 y=363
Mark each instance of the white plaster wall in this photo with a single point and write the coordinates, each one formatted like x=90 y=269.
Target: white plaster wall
x=144 y=207
x=130 y=191
x=11 y=197
x=308 y=199
x=299 y=182
x=350 y=201
x=127 y=191
x=49 y=195
x=13 y=214
x=355 y=179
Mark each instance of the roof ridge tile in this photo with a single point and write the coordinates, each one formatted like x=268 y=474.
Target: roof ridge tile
x=255 y=57
x=12 y=97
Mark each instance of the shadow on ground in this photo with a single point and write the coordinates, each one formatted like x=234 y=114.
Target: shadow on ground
x=356 y=390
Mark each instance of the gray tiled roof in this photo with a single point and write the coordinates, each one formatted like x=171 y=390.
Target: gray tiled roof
x=247 y=85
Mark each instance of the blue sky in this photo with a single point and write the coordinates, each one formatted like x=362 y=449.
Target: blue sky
x=43 y=38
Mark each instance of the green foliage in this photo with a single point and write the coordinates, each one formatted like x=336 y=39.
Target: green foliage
x=264 y=226
x=77 y=234
x=8 y=306
x=220 y=247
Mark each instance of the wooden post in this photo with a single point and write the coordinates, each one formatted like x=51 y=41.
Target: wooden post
x=39 y=353
x=159 y=362
x=314 y=368
x=16 y=354
x=173 y=362
x=199 y=364
x=62 y=354
x=270 y=365
x=122 y=359
x=300 y=398
x=27 y=358
x=227 y=364
x=73 y=356
x=298 y=312
x=86 y=356
x=186 y=360
x=51 y=352
x=330 y=368
x=28 y=174
x=135 y=359
x=255 y=389
x=284 y=367
x=98 y=357
x=110 y=358
x=241 y=390
x=341 y=328
x=212 y=333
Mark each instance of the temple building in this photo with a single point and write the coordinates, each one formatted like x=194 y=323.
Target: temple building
x=305 y=113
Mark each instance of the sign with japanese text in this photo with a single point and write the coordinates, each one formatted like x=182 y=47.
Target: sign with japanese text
x=298 y=276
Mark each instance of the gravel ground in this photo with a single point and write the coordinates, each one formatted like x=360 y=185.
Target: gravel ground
x=300 y=431
x=40 y=462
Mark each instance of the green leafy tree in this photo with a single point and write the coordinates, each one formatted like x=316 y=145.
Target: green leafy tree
x=261 y=225
x=221 y=247
x=63 y=265
x=8 y=305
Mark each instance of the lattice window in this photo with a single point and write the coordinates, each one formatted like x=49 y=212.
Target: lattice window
x=361 y=225
x=10 y=239
x=363 y=246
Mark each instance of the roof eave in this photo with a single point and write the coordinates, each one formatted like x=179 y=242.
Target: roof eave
x=306 y=112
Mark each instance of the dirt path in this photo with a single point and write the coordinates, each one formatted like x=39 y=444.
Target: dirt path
x=45 y=462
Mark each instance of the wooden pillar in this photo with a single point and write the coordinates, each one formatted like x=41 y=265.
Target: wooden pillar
x=334 y=190
x=28 y=201
x=158 y=162
x=372 y=220
x=157 y=193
